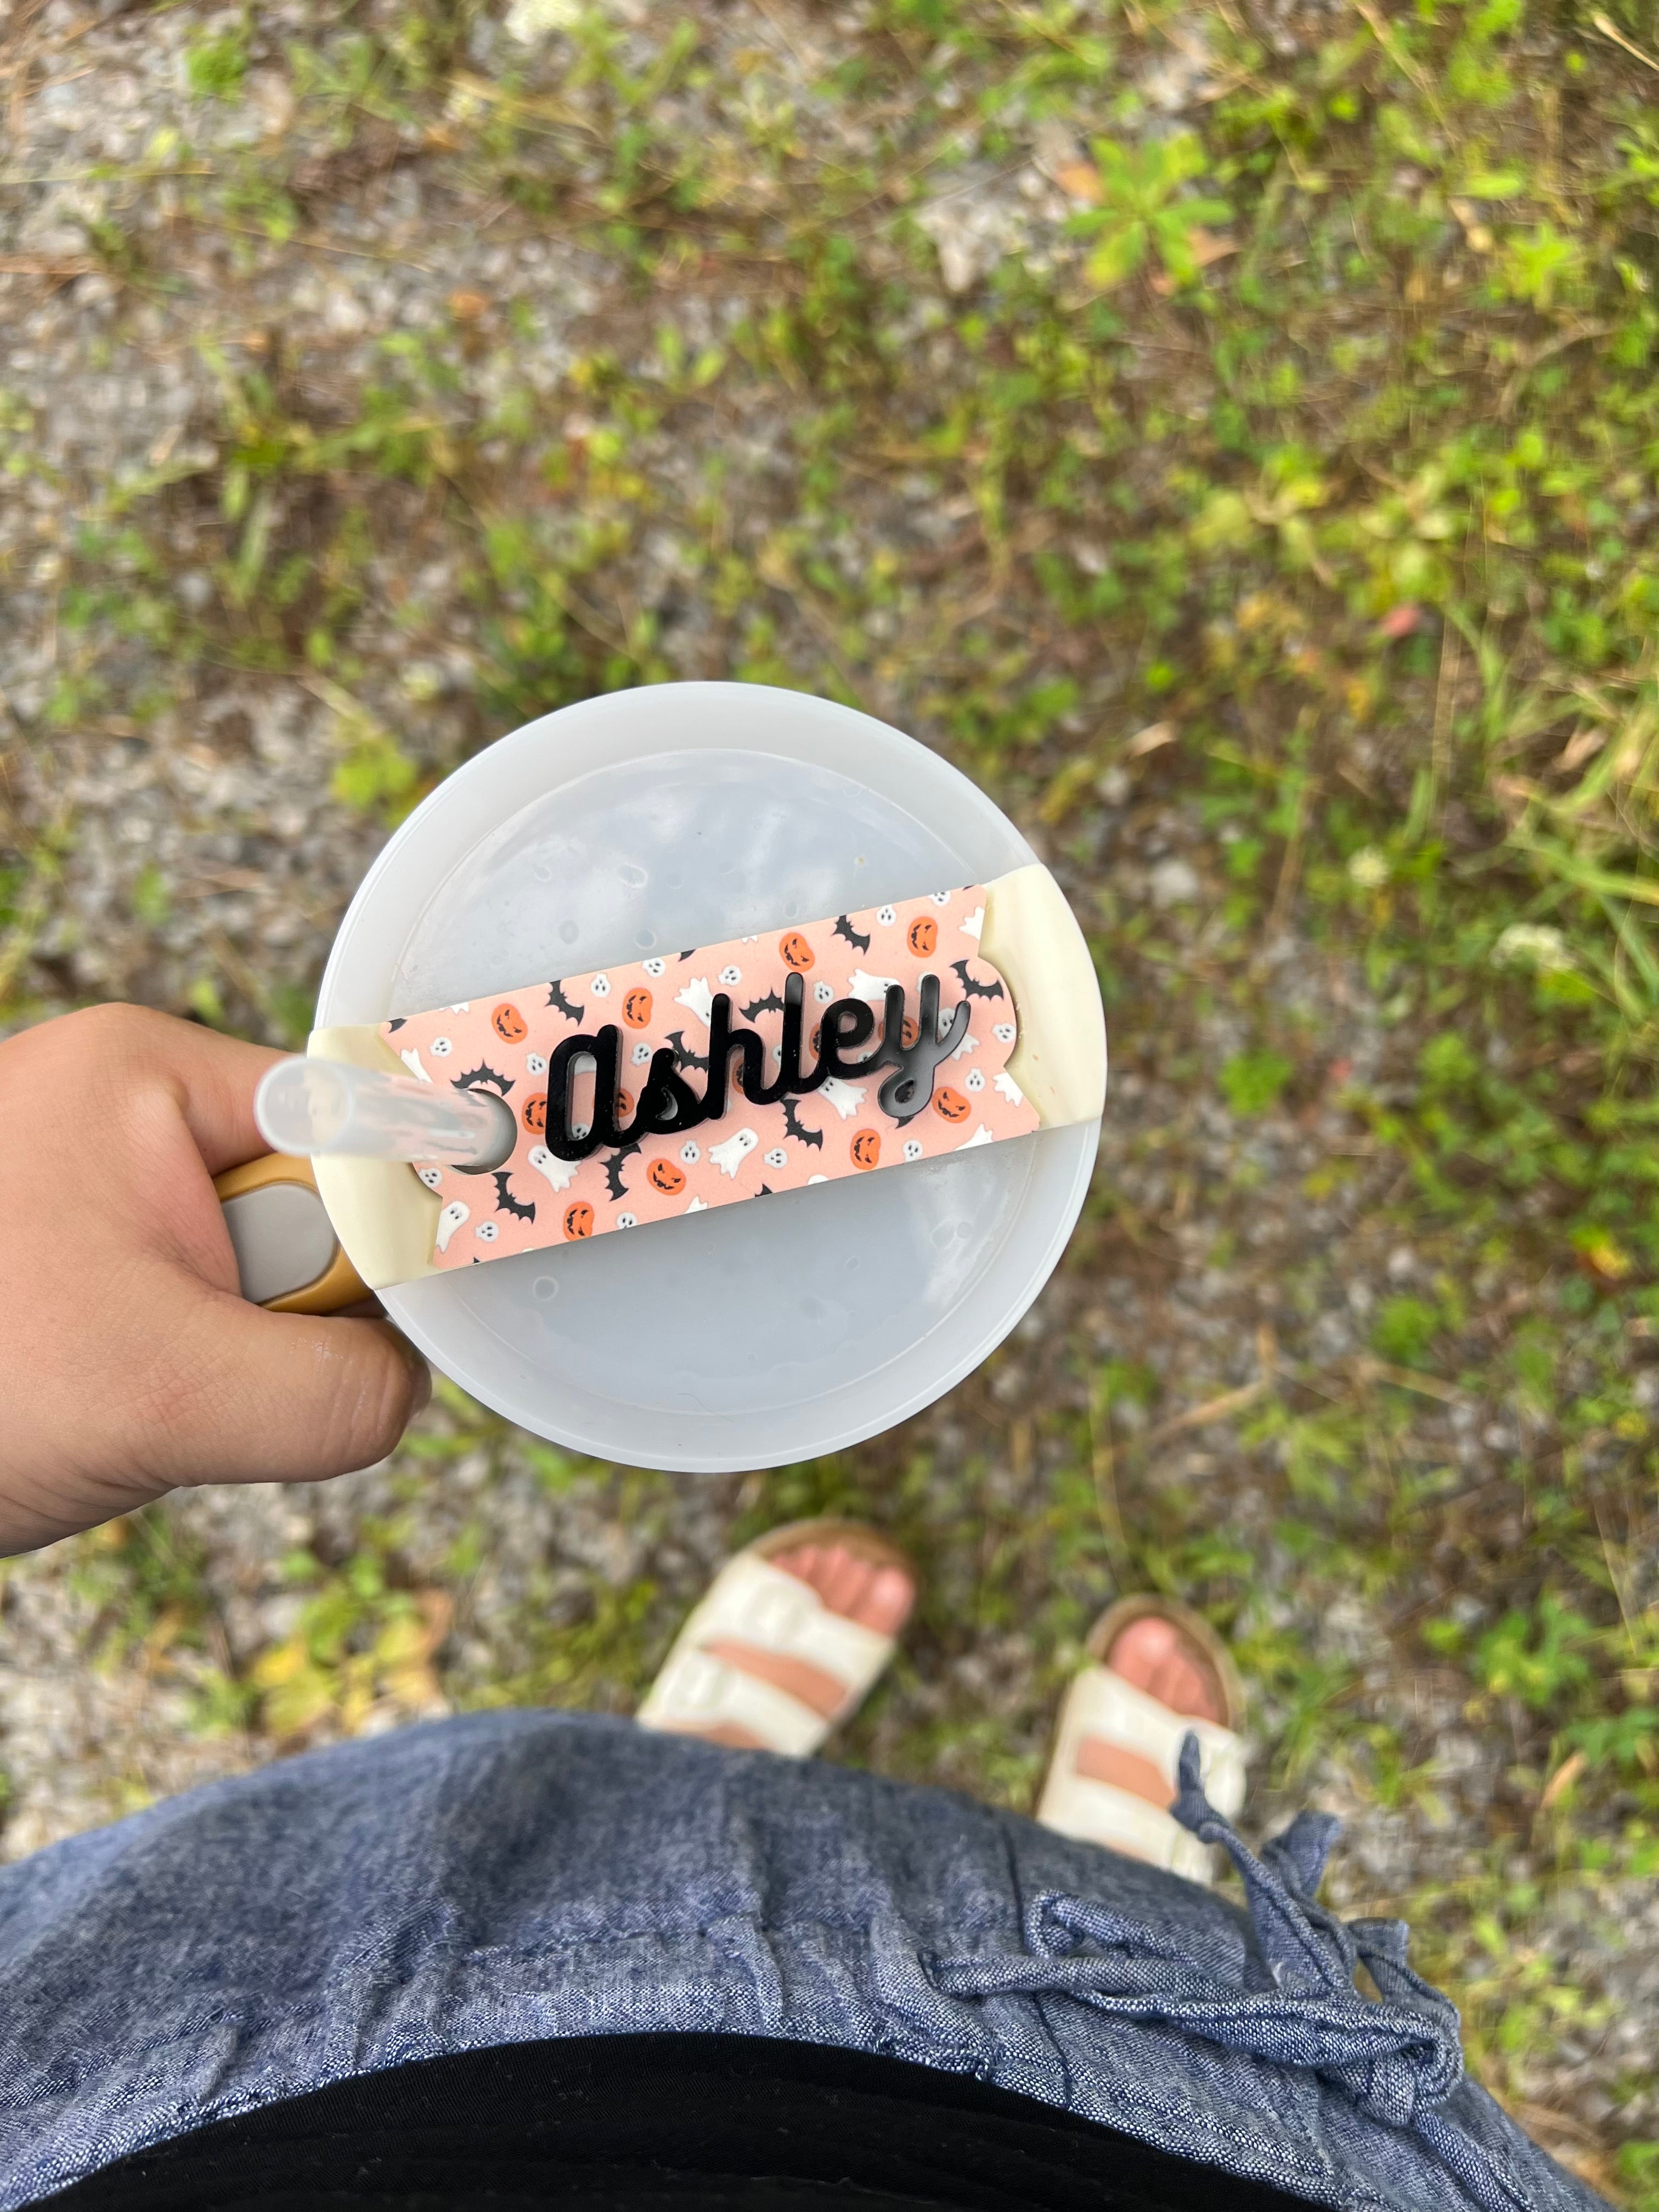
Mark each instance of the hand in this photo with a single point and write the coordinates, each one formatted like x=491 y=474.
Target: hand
x=131 y=1365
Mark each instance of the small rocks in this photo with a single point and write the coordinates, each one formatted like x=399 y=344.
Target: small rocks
x=1172 y=882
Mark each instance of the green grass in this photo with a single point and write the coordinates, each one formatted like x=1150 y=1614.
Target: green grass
x=1311 y=499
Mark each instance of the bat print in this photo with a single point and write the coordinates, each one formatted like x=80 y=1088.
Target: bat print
x=484 y=1076
x=613 y=1170
x=970 y=989
x=844 y=929
x=771 y=1004
x=505 y=1201
x=795 y=1127
x=684 y=1055
x=556 y=999
x=396 y=1021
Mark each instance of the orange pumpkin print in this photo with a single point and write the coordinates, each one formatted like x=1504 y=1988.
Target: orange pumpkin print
x=795 y=952
x=664 y=1176
x=866 y=1148
x=578 y=1220
x=922 y=936
x=533 y=1113
x=624 y=1105
x=950 y=1104
x=911 y=1031
x=636 y=1007
x=509 y=1024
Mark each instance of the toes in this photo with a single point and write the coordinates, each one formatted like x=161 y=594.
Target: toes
x=1155 y=1657
x=887 y=1601
x=877 y=1596
x=803 y=1564
x=844 y=1585
x=1141 y=1651
x=822 y=1567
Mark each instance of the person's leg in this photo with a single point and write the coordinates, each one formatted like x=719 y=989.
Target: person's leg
x=508 y=1877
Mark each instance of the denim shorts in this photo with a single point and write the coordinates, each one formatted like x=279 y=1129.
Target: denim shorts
x=511 y=1876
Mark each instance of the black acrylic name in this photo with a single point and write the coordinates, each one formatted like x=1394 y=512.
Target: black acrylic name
x=668 y=1104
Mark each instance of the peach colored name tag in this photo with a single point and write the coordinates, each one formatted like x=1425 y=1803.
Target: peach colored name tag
x=740 y=1070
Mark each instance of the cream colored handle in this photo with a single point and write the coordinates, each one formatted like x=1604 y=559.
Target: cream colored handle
x=288 y=1256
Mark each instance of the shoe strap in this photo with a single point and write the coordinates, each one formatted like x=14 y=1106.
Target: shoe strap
x=1101 y=1703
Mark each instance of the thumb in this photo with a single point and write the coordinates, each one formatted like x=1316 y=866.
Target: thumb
x=288 y=1397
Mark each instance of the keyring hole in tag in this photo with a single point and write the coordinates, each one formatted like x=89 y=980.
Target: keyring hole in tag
x=501 y=1150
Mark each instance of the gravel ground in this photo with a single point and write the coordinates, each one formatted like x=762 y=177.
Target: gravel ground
x=206 y=297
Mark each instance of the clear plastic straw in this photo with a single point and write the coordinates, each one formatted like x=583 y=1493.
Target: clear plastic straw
x=315 y=1106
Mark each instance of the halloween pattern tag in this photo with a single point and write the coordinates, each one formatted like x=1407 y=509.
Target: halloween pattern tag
x=683 y=1141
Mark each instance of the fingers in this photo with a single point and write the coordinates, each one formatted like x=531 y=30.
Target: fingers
x=212 y=1079
x=264 y=1397
x=129 y=1365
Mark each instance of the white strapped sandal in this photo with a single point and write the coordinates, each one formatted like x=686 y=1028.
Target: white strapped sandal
x=756 y=1612
x=1112 y=1774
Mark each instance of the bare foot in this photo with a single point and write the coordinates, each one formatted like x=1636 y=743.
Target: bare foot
x=1154 y=1656
x=874 y=1593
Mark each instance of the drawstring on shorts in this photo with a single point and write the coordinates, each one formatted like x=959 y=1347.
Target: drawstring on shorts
x=1398 y=2059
